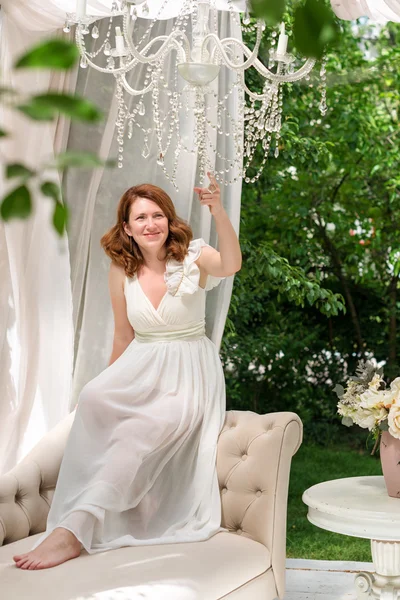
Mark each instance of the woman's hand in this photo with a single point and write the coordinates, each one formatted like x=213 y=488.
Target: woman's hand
x=211 y=196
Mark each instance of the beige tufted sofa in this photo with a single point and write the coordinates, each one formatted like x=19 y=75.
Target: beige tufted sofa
x=248 y=562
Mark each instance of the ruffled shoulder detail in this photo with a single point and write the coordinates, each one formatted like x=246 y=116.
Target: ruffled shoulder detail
x=183 y=277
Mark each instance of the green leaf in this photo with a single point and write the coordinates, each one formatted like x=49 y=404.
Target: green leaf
x=51 y=189
x=60 y=217
x=46 y=106
x=3 y=133
x=314 y=27
x=73 y=106
x=17 y=204
x=384 y=425
x=52 y=54
x=85 y=160
x=271 y=11
x=37 y=112
x=374 y=169
x=18 y=170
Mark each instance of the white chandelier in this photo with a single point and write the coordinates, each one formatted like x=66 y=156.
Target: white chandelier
x=199 y=58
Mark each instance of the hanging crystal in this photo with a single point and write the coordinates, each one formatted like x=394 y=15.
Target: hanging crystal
x=67 y=27
x=107 y=49
x=145 y=8
x=83 y=64
x=95 y=32
x=141 y=108
x=146 y=149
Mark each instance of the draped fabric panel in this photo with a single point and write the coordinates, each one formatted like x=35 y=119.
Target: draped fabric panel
x=379 y=11
x=56 y=322
x=36 y=325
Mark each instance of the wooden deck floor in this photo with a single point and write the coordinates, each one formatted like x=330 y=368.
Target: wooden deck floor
x=322 y=580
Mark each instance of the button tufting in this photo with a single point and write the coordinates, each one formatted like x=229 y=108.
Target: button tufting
x=258 y=493
x=244 y=456
x=238 y=530
x=224 y=490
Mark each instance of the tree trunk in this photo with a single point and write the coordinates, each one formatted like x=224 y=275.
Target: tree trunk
x=338 y=270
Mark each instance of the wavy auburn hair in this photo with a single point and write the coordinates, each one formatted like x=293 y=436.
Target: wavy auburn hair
x=124 y=251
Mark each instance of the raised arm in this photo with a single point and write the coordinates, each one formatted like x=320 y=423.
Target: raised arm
x=229 y=258
x=123 y=330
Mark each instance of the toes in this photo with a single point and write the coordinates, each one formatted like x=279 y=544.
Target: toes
x=33 y=564
x=22 y=562
x=26 y=564
x=18 y=557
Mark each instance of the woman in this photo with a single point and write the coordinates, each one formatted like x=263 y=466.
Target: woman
x=139 y=463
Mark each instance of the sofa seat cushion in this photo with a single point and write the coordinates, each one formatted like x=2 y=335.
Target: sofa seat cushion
x=206 y=570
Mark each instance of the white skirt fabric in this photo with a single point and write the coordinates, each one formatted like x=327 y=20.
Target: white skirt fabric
x=139 y=465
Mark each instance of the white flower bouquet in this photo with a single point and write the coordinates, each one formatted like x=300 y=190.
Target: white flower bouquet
x=368 y=402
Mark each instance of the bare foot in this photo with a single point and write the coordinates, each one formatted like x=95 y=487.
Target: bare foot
x=61 y=545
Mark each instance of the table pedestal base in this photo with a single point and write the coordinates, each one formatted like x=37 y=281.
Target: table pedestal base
x=384 y=584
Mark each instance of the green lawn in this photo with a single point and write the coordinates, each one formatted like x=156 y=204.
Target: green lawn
x=311 y=465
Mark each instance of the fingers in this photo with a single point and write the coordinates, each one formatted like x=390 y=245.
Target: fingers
x=202 y=191
x=211 y=177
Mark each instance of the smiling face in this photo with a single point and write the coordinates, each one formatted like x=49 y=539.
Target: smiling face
x=148 y=225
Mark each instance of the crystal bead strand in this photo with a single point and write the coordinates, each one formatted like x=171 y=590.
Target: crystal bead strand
x=120 y=123
x=123 y=112
x=323 y=106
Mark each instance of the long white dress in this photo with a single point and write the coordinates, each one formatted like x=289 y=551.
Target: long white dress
x=139 y=465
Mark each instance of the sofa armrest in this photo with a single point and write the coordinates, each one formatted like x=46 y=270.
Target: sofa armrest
x=27 y=490
x=253 y=464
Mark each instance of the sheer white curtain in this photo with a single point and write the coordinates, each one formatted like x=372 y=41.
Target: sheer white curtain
x=35 y=324
x=58 y=325
x=379 y=11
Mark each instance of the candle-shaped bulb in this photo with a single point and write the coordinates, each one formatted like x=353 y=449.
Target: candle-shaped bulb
x=282 y=41
x=119 y=41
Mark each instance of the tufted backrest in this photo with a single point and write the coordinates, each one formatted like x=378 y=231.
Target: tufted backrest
x=253 y=463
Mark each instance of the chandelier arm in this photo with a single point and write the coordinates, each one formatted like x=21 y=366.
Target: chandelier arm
x=128 y=67
x=83 y=52
x=252 y=55
x=131 y=90
x=262 y=69
x=170 y=43
x=251 y=94
x=140 y=56
x=288 y=77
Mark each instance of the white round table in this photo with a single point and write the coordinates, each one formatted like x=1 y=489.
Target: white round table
x=360 y=507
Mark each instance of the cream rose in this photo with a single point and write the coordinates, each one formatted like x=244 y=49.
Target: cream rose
x=394 y=420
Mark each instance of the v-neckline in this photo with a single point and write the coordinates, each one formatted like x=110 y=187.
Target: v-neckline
x=156 y=310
